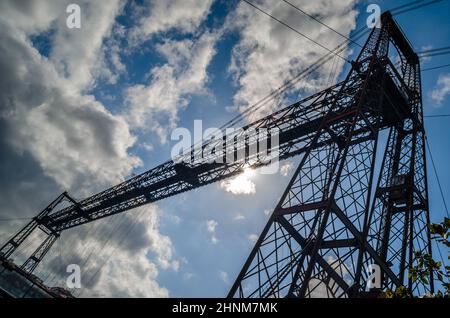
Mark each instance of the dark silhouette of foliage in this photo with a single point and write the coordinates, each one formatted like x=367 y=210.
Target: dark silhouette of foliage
x=427 y=266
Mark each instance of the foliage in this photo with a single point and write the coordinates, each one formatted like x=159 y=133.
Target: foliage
x=400 y=292
x=426 y=265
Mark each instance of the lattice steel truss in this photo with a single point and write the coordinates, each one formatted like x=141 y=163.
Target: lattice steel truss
x=324 y=235
x=332 y=221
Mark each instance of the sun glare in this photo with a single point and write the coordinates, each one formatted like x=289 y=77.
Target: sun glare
x=241 y=184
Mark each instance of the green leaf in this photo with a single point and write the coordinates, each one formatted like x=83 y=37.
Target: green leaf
x=447 y=222
x=424 y=280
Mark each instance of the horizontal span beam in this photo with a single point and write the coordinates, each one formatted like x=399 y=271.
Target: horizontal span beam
x=297 y=124
x=302 y=208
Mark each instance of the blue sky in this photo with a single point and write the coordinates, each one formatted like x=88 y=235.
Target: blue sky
x=84 y=109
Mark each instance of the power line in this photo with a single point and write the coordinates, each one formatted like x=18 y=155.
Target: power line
x=435 y=67
x=437 y=176
x=13 y=219
x=434 y=54
x=125 y=235
x=290 y=83
x=295 y=30
x=348 y=39
x=440 y=255
x=293 y=80
x=271 y=96
x=104 y=246
x=434 y=50
x=437 y=116
x=406 y=5
x=440 y=189
x=312 y=67
x=416 y=7
x=322 y=23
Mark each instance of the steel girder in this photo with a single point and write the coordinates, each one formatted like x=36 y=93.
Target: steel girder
x=325 y=233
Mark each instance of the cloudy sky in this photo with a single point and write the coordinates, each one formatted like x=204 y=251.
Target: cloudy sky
x=82 y=109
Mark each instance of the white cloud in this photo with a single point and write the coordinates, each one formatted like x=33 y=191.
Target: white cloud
x=77 y=53
x=188 y=276
x=72 y=136
x=160 y=16
x=268 y=54
x=239 y=217
x=286 y=168
x=155 y=106
x=129 y=277
x=160 y=245
x=426 y=48
x=211 y=228
x=211 y=225
x=131 y=273
x=67 y=136
x=127 y=253
x=110 y=65
x=241 y=184
x=147 y=146
x=253 y=237
x=442 y=89
x=29 y=16
x=75 y=140
x=224 y=277
x=327 y=289
x=175 y=219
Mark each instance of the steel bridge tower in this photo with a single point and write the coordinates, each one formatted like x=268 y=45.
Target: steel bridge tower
x=344 y=214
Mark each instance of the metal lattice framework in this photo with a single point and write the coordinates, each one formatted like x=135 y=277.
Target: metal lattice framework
x=324 y=233
x=336 y=217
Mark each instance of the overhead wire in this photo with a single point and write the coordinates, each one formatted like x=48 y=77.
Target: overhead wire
x=434 y=50
x=406 y=5
x=126 y=233
x=114 y=230
x=435 y=67
x=276 y=93
x=322 y=23
x=86 y=251
x=393 y=10
x=437 y=116
x=294 y=29
x=262 y=102
x=414 y=7
x=434 y=54
x=437 y=176
x=305 y=73
x=13 y=219
x=102 y=246
x=291 y=82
